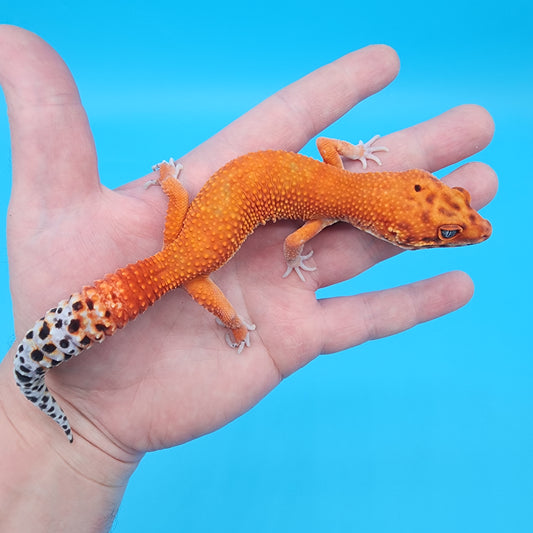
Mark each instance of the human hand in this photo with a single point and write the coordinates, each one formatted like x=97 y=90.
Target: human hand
x=169 y=376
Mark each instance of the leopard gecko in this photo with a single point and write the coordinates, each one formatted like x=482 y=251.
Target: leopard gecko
x=411 y=209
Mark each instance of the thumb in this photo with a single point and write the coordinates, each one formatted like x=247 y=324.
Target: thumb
x=50 y=136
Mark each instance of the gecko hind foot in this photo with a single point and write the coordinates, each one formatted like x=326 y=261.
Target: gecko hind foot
x=230 y=335
x=175 y=169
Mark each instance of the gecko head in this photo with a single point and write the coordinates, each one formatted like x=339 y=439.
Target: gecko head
x=435 y=215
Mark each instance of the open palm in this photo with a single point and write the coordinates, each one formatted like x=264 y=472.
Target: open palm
x=169 y=376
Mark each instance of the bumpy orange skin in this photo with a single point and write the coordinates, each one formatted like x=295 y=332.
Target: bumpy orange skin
x=405 y=208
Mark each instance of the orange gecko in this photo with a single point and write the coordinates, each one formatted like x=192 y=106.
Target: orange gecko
x=410 y=209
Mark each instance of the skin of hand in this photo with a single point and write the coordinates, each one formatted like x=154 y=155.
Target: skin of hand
x=169 y=376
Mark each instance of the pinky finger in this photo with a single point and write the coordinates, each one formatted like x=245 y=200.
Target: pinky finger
x=352 y=320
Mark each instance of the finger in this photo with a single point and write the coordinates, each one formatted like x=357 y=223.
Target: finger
x=352 y=320
x=441 y=141
x=478 y=179
x=289 y=118
x=52 y=147
x=356 y=251
x=303 y=109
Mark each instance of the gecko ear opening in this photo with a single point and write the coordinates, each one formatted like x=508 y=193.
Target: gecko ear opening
x=449 y=231
x=465 y=193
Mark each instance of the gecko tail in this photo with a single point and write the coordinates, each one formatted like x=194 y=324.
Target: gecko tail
x=66 y=330
x=29 y=377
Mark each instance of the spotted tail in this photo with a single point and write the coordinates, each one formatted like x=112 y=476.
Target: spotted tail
x=86 y=317
x=64 y=331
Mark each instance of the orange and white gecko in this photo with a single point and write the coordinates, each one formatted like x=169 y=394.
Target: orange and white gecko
x=410 y=209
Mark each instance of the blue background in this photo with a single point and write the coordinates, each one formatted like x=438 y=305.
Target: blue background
x=430 y=430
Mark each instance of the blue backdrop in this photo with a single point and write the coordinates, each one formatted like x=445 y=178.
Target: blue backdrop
x=430 y=430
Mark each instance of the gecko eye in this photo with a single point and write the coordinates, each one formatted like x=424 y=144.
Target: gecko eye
x=449 y=231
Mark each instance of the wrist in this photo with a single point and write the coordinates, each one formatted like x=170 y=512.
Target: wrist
x=68 y=486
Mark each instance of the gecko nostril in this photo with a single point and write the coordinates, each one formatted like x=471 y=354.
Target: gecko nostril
x=488 y=229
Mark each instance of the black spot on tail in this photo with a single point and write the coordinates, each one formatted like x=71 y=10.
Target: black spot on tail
x=37 y=355
x=22 y=377
x=74 y=325
x=44 y=331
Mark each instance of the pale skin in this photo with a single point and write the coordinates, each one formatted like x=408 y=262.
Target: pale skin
x=169 y=377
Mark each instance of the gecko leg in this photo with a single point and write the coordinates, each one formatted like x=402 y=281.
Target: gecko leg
x=204 y=291
x=178 y=198
x=294 y=245
x=331 y=151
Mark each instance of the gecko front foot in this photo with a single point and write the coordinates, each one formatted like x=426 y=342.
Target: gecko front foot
x=297 y=264
x=364 y=151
